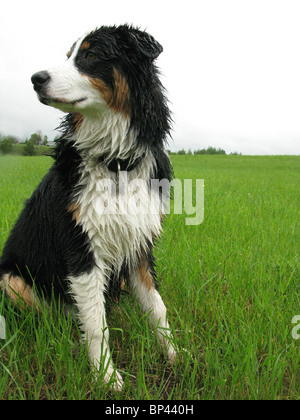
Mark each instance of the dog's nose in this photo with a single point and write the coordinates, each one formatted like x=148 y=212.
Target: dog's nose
x=40 y=79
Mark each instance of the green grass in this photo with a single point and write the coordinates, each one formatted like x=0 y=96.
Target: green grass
x=231 y=285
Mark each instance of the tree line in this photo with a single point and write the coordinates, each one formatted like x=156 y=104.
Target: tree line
x=34 y=145
x=39 y=144
x=209 y=151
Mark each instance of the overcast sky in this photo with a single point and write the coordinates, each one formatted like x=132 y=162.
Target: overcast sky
x=231 y=67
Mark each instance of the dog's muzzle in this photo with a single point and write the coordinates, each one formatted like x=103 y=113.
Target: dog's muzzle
x=40 y=80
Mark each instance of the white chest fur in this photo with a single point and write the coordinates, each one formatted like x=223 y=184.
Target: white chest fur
x=120 y=214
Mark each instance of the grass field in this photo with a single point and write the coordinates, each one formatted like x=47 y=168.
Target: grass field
x=231 y=285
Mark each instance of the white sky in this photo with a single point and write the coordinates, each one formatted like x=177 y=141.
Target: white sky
x=231 y=67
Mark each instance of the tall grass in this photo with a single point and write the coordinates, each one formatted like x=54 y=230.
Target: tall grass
x=231 y=286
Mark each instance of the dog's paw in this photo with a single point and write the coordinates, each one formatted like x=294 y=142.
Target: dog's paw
x=171 y=355
x=178 y=355
x=114 y=380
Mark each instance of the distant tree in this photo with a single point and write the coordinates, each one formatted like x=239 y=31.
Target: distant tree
x=6 y=144
x=29 y=149
x=13 y=139
x=45 y=141
x=200 y=152
x=36 y=138
x=210 y=151
x=181 y=152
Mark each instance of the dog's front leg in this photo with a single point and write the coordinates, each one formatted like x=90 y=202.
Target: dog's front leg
x=143 y=286
x=88 y=291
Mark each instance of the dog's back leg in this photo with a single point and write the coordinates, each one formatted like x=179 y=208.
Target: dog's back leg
x=19 y=292
x=143 y=286
x=88 y=291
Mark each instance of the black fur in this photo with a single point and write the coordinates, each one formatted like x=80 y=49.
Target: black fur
x=132 y=53
x=46 y=246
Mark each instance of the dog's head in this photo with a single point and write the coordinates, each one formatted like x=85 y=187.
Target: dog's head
x=109 y=67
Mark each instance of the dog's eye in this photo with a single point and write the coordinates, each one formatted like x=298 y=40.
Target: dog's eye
x=90 y=56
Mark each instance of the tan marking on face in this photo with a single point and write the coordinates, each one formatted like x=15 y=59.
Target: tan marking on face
x=121 y=94
x=19 y=292
x=69 y=54
x=75 y=210
x=145 y=276
x=119 y=98
x=85 y=46
x=105 y=91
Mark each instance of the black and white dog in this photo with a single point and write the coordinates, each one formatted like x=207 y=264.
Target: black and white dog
x=73 y=238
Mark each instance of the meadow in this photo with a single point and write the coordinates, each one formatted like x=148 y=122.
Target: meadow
x=231 y=286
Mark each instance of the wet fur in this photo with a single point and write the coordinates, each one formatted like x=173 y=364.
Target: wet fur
x=63 y=242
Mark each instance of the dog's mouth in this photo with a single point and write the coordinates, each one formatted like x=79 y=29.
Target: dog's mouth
x=47 y=100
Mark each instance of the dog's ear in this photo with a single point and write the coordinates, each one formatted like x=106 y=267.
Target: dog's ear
x=145 y=44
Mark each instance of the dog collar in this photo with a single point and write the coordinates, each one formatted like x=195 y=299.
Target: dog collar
x=119 y=165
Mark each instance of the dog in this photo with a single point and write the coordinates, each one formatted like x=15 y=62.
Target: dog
x=73 y=238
